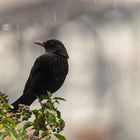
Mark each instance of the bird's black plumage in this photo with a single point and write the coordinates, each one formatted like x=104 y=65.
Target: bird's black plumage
x=47 y=74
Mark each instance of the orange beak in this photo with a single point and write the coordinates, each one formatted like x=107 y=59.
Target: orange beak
x=41 y=43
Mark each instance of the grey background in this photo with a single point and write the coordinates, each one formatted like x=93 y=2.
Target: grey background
x=102 y=38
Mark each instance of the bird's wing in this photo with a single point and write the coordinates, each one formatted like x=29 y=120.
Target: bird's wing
x=35 y=69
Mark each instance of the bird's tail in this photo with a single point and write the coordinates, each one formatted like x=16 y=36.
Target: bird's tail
x=25 y=99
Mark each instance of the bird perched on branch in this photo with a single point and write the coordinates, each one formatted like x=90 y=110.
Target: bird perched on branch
x=47 y=74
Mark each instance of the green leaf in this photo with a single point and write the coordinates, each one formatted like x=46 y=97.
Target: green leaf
x=11 y=131
x=60 y=137
x=10 y=121
x=26 y=125
x=49 y=105
x=45 y=133
x=59 y=98
x=35 y=112
x=7 y=105
x=49 y=93
x=51 y=119
x=57 y=101
x=22 y=131
x=54 y=113
x=1 y=136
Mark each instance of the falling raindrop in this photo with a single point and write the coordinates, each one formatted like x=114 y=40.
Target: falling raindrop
x=54 y=16
x=95 y=1
x=18 y=39
x=17 y=31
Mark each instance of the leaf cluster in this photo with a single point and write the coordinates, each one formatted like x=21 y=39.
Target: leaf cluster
x=47 y=120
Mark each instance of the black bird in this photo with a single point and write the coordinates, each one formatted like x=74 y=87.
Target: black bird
x=47 y=74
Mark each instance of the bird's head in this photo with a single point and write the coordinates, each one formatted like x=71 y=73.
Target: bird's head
x=53 y=46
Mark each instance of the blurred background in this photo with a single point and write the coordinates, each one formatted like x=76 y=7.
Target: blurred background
x=102 y=37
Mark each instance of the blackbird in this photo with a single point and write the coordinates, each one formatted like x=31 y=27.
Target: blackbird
x=47 y=74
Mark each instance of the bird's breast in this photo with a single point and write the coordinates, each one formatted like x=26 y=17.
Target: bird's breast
x=55 y=73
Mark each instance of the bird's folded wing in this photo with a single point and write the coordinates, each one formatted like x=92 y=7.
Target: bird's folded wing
x=35 y=69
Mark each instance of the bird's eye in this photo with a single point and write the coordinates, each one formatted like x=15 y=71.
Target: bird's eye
x=52 y=42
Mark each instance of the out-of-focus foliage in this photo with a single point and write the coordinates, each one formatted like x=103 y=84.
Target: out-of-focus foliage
x=47 y=121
